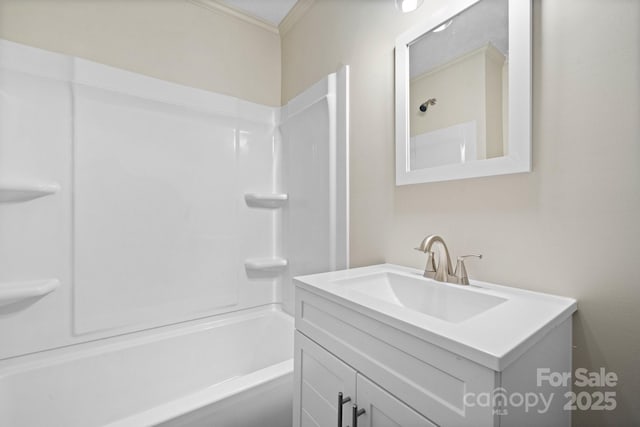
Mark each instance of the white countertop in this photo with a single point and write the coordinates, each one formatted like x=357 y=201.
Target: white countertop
x=493 y=338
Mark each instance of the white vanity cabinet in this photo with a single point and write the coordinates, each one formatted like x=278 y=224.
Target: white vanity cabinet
x=321 y=378
x=403 y=378
x=402 y=373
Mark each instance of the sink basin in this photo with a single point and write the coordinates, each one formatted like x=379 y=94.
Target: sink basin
x=452 y=303
x=488 y=323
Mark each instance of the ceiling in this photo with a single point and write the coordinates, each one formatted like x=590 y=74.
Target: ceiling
x=270 y=11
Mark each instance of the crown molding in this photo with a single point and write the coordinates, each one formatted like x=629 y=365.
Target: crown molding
x=216 y=6
x=297 y=11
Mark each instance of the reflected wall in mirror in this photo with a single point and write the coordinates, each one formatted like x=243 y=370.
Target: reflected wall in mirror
x=463 y=93
x=458 y=85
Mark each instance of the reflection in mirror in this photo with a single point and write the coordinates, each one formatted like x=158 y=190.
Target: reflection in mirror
x=458 y=89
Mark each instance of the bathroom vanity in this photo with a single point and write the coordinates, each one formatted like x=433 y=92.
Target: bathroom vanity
x=383 y=346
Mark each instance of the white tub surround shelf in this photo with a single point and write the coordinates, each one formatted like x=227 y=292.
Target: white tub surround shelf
x=24 y=192
x=12 y=292
x=273 y=264
x=266 y=200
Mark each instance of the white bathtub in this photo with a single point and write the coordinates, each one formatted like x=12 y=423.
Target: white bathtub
x=230 y=371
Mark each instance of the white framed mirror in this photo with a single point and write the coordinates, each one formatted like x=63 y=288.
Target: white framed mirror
x=463 y=93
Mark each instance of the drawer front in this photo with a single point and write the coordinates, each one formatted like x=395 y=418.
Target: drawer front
x=429 y=379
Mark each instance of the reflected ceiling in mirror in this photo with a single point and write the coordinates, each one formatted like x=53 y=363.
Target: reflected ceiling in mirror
x=454 y=78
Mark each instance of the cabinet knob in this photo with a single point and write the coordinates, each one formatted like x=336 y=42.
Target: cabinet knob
x=355 y=414
x=341 y=401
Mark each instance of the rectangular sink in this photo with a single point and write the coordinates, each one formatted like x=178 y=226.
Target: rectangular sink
x=443 y=301
x=488 y=323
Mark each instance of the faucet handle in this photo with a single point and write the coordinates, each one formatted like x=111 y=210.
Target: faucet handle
x=462 y=257
x=462 y=278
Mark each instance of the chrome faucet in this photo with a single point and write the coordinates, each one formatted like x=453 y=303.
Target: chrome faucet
x=443 y=271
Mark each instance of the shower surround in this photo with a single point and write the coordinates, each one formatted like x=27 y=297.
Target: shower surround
x=129 y=204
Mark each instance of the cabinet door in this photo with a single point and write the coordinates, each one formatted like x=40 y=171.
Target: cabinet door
x=384 y=410
x=318 y=378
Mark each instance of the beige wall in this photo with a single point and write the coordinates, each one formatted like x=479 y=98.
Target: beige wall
x=173 y=40
x=459 y=89
x=570 y=228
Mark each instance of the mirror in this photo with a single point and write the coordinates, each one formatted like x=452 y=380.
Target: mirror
x=463 y=93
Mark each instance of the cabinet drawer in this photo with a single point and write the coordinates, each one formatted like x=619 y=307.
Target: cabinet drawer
x=433 y=383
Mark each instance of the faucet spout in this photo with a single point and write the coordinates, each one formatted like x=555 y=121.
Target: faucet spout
x=442 y=272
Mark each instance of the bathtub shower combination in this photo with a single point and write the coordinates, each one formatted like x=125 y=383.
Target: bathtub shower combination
x=148 y=235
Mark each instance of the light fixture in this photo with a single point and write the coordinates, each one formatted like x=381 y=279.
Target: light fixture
x=443 y=26
x=408 y=5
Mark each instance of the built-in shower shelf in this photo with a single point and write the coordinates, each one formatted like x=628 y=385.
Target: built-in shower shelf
x=12 y=292
x=273 y=264
x=24 y=192
x=266 y=200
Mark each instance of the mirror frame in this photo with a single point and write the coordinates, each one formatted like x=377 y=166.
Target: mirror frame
x=518 y=158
